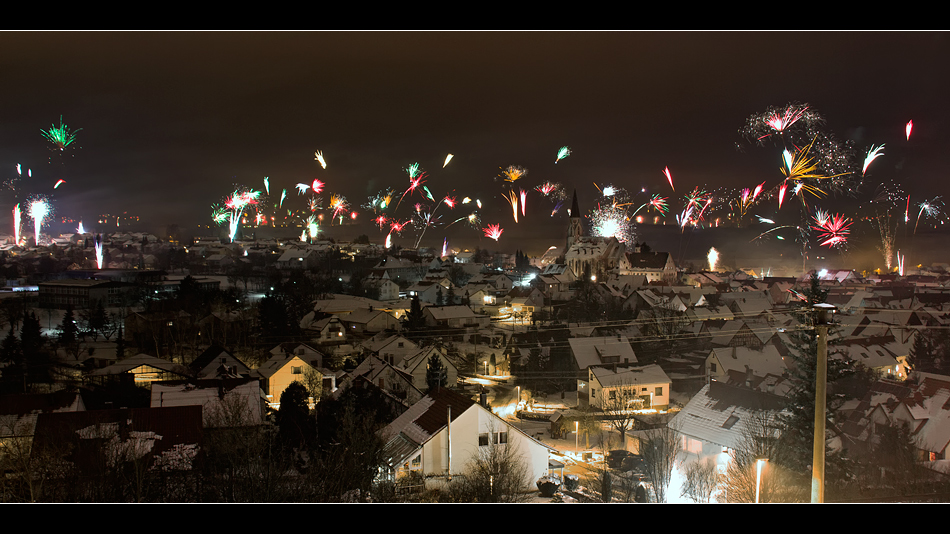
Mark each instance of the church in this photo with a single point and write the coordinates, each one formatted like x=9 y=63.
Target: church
x=589 y=256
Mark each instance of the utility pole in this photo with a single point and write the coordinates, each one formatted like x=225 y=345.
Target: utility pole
x=823 y=317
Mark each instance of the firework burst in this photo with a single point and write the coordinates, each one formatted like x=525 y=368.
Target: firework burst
x=493 y=231
x=562 y=153
x=60 y=136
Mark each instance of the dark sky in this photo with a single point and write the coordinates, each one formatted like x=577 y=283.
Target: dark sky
x=171 y=122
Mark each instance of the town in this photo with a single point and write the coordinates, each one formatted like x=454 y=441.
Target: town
x=319 y=371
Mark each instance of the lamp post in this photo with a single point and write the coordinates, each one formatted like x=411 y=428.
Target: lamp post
x=823 y=317
x=576 y=432
x=759 y=464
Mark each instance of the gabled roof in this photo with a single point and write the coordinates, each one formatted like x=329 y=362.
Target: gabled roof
x=717 y=413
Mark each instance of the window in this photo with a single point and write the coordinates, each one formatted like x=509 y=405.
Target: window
x=296 y=370
x=483 y=440
x=658 y=392
x=501 y=438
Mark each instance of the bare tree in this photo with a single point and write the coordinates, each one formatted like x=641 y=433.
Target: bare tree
x=759 y=446
x=702 y=478
x=498 y=473
x=659 y=447
x=618 y=403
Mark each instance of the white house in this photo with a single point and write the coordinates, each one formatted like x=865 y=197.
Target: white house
x=445 y=431
x=647 y=386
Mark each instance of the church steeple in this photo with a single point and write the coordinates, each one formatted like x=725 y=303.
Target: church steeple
x=576 y=230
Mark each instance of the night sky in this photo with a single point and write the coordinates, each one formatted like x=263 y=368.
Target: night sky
x=171 y=122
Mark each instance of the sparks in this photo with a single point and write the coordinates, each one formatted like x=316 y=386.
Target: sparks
x=669 y=177
x=873 y=154
x=40 y=210
x=908 y=128
x=493 y=231
x=60 y=136
x=318 y=156
x=448 y=158
x=562 y=153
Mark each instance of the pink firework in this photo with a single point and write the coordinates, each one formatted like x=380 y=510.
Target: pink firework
x=317 y=187
x=546 y=188
x=780 y=122
x=669 y=177
x=908 y=128
x=781 y=194
x=832 y=230
x=524 y=201
x=493 y=231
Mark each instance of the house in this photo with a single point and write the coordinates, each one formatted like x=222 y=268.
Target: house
x=224 y=402
x=284 y=368
x=370 y=321
x=141 y=370
x=217 y=362
x=643 y=387
x=454 y=317
x=713 y=420
x=443 y=433
x=417 y=366
x=392 y=380
x=600 y=351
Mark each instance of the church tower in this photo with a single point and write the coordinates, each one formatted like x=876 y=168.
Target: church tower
x=575 y=230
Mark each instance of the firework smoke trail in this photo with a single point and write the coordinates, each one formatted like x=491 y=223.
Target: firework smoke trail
x=512 y=199
x=99 y=251
x=493 y=231
x=713 y=258
x=16 y=224
x=318 y=156
x=60 y=136
x=873 y=154
x=39 y=211
x=562 y=153
x=669 y=177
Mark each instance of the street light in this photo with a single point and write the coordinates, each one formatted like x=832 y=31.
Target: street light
x=759 y=464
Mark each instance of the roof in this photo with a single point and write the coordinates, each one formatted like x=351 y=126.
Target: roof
x=593 y=350
x=648 y=374
x=717 y=413
x=421 y=422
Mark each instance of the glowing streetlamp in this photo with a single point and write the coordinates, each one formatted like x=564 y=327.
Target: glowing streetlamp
x=759 y=464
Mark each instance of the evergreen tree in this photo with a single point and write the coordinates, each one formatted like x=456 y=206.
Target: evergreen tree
x=68 y=329
x=415 y=320
x=297 y=427
x=798 y=422
x=436 y=374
